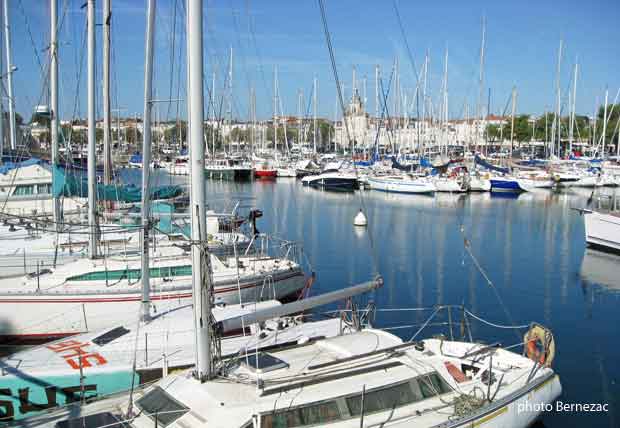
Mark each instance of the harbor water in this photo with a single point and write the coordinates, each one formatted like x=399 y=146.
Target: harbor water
x=509 y=260
x=531 y=248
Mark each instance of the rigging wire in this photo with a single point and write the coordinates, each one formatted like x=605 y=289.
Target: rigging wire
x=374 y=256
x=467 y=245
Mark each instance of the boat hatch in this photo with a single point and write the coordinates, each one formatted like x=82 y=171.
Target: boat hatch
x=161 y=407
x=109 y=336
x=263 y=362
x=105 y=419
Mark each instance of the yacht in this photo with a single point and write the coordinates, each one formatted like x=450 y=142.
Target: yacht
x=26 y=189
x=164 y=343
x=91 y=294
x=365 y=378
x=602 y=229
x=401 y=184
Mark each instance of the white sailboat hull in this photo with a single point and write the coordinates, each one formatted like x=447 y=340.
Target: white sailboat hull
x=602 y=230
x=477 y=184
x=401 y=185
x=166 y=341
x=452 y=185
x=40 y=316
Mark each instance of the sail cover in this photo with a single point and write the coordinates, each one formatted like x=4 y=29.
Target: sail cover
x=75 y=184
x=487 y=165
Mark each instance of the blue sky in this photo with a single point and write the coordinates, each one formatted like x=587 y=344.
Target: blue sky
x=522 y=45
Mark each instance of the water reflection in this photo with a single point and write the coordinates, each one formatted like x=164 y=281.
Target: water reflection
x=600 y=269
x=530 y=245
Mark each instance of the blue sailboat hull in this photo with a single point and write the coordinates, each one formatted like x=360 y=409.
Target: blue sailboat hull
x=505 y=186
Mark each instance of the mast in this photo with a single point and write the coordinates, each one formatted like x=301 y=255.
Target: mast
x=512 y=120
x=275 y=110
x=572 y=116
x=9 y=77
x=299 y=110
x=230 y=96
x=377 y=96
x=201 y=275
x=253 y=118
x=107 y=153
x=54 y=104
x=558 y=128
x=424 y=85
x=480 y=113
x=213 y=121
x=604 y=123
x=146 y=159
x=92 y=152
x=1 y=109
x=315 y=90
x=444 y=113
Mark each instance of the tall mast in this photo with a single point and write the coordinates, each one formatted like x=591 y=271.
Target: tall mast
x=572 y=115
x=314 y=97
x=604 y=123
x=92 y=143
x=275 y=109
x=1 y=109
x=146 y=159
x=299 y=114
x=377 y=96
x=479 y=112
x=54 y=103
x=253 y=118
x=444 y=113
x=107 y=153
x=213 y=122
x=230 y=96
x=9 y=77
x=424 y=102
x=512 y=120
x=558 y=128
x=201 y=275
x=396 y=106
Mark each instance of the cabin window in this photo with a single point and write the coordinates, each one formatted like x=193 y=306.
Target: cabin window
x=313 y=414
x=432 y=385
x=161 y=407
x=382 y=399
x=111 y=335
x=105 y=419
x=23 y=190
x=132 y=274
x=44 y=189
x=398 y=395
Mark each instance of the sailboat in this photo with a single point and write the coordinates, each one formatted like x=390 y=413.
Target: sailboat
x=366 y=378
x=403 y=183
x=141 y=352
x=94 y=293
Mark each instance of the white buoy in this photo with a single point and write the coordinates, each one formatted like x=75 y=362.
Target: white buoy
x=360 y=219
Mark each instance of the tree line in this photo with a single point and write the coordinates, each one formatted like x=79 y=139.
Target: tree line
x=526 y=128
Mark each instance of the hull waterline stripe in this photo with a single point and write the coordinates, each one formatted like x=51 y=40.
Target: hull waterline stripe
x=139 y=298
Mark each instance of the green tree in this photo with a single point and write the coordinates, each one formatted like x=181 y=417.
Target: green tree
x=613 y=118
x=172 y=134
x=493 y=132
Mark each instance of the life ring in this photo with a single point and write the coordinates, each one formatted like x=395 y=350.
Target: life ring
x=539 y=345
x=532 y=350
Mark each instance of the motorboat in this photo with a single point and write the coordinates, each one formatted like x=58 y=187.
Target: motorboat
x=332 y=179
